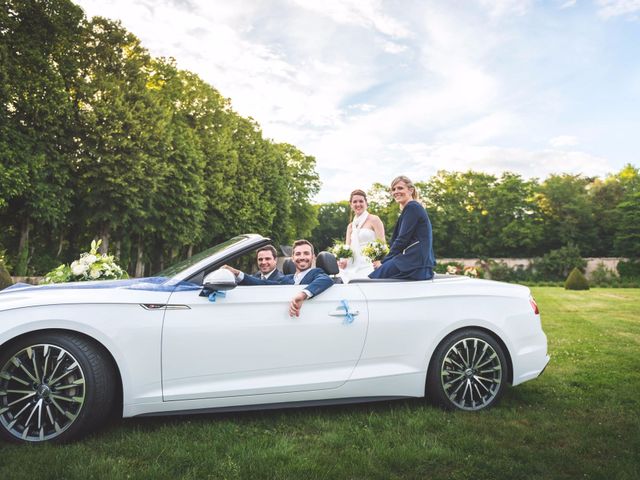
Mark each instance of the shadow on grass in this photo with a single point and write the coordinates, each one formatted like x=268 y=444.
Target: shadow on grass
x=270 y=415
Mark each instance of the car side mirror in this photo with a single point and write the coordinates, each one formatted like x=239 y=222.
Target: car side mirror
x=219 y=280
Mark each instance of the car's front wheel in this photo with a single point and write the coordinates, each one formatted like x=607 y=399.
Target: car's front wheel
x=468 y=371
x=54 y=386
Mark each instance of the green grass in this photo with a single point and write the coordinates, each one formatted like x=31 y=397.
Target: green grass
x=581 y=419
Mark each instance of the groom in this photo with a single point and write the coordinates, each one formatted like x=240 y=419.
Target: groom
x=315 y=279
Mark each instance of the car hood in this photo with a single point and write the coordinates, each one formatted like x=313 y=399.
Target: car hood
x=105 y=291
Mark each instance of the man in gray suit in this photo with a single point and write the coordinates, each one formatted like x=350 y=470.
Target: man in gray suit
x=267 y=260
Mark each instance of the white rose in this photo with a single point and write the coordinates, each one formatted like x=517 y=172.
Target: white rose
x=94 y=273
x=88 y=259
x=78 y=268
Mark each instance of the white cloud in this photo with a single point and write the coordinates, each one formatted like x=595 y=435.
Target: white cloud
x=563 y=141
x=394 y=48
x=616 y=8
x=488 y=127
x=363 y=13
x=568 y=4
x=501 y=8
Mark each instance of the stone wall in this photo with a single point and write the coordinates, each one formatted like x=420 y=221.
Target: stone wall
x=31 y=280
x=610 y=263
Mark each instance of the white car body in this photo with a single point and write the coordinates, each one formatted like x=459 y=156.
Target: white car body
x=177 y=351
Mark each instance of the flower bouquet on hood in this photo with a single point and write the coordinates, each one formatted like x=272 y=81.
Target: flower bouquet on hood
x=90 y=266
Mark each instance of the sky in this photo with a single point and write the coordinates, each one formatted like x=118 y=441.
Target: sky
x=379 y=88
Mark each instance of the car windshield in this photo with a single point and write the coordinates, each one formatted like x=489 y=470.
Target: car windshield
x=184 y=264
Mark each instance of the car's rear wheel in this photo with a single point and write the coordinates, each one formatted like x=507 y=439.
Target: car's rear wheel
x=53 y=387
x=469 y=371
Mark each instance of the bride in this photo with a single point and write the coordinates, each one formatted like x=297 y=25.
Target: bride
x=364 y=228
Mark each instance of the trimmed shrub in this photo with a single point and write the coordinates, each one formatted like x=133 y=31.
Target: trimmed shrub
x=576 y=281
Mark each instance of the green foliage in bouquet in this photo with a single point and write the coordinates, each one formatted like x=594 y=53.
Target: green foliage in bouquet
x=375 y=250
x=341 y=250
x=90 y=266
x=576 y=281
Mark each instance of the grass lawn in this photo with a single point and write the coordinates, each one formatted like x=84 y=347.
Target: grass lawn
x=581 y=419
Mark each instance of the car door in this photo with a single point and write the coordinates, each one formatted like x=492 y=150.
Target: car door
x=245 y=343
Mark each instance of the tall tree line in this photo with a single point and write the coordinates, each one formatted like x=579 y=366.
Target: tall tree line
x=99 y=139
x=476 y=214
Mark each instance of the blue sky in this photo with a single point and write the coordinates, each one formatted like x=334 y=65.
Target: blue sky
x=378 y=88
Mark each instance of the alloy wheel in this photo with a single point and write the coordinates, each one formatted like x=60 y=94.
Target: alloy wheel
x=42 y=392
x=471 y=374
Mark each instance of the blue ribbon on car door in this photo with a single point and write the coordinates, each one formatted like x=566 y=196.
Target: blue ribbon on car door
x=216 y=293
x=348 y=316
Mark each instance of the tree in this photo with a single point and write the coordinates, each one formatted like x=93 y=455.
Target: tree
x=303 y=184
x=177 y=216
x=627 y=226
x=36 y=122
x=121 y=127
x=514 y=226
x=567 y=213
x=333 y=219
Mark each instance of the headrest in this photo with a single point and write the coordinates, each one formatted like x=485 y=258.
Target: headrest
x=327 y=262
x=288 y=267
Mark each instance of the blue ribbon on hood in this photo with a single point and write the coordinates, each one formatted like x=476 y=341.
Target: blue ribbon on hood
x=155 y=284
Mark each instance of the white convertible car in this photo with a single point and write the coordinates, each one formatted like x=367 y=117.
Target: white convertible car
x=190 y=341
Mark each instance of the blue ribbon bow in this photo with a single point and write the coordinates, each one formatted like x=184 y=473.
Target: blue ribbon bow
x=348 y=316
x=216 y=293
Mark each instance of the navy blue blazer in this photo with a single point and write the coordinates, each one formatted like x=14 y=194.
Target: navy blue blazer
x=316 y=281
x=275 y=275
x=411 y=253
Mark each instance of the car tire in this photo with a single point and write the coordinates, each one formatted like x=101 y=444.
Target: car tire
x=54 y=387
x=468 y=371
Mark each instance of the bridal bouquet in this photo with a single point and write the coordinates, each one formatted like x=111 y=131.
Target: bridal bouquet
x=90 y=266
x=341 y=250
x=375 y=250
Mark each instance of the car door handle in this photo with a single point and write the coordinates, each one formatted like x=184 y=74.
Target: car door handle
x=341 y=313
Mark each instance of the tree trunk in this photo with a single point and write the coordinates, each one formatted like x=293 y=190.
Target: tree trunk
x=139 y=263
x=104 y=236
x=23 y=248
x=190 y=252
x=60 y=245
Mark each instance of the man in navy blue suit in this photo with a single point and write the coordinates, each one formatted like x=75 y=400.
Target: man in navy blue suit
x=314 y=279
x=266 y=258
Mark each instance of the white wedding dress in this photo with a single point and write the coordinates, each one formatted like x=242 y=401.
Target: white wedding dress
x=359 y=266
